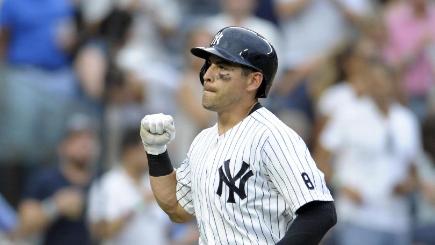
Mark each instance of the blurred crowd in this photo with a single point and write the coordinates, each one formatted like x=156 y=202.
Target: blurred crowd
x=356 y=80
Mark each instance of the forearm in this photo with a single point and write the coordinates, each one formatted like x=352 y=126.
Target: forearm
x=157 y=130
x=164 y=188
x=313 y=221
x=164 y=191
x=164 y=184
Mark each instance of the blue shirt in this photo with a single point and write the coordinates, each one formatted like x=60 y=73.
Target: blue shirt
x=34 y=26
x=62 y=231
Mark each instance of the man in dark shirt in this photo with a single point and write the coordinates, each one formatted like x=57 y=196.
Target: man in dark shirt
x=54 y=201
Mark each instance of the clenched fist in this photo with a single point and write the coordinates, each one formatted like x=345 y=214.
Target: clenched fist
x=156 y=131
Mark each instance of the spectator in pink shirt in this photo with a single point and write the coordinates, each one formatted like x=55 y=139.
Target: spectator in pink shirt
x=411 y=35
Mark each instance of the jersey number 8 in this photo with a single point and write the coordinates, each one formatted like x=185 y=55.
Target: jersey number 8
x=307 y=181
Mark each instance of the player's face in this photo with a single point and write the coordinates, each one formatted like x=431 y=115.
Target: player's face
x=224 y=85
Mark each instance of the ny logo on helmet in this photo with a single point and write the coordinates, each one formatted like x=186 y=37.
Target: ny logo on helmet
x=225 y=177
x=216 y=39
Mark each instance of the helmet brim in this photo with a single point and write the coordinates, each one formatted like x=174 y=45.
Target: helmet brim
x=205 y=53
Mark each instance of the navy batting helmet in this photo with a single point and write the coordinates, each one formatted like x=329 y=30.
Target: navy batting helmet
x=244 y=47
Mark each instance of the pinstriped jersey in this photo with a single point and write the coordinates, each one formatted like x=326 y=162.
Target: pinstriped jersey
x=245 y=185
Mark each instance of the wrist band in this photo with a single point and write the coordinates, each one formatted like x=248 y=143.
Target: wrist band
x=159 y=165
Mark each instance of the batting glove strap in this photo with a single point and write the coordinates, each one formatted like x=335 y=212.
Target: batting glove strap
x=154 y=149
x=159 y=165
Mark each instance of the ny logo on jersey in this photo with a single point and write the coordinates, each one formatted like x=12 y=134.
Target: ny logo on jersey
x=230 y=181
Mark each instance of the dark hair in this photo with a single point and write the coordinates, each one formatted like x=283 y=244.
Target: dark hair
x=247 y=70
x=131 y=138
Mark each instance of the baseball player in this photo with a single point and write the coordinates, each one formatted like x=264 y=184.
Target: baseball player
x=249 y=179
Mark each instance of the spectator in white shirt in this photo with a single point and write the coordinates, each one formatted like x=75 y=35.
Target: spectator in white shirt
x=373 y=143
x=122 y=208
x=352 y=60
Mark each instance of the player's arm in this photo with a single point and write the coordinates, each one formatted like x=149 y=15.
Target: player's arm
x=164 y=190
x=312 y=222
x=164 y=187
x=157 y=130
x=294 y=174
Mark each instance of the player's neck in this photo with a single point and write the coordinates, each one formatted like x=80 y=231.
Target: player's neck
x=229 y=118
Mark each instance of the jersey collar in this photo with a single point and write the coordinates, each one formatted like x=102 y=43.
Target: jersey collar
x=255 y=107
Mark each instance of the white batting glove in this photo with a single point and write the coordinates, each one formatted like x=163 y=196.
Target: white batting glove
x=156 y=131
